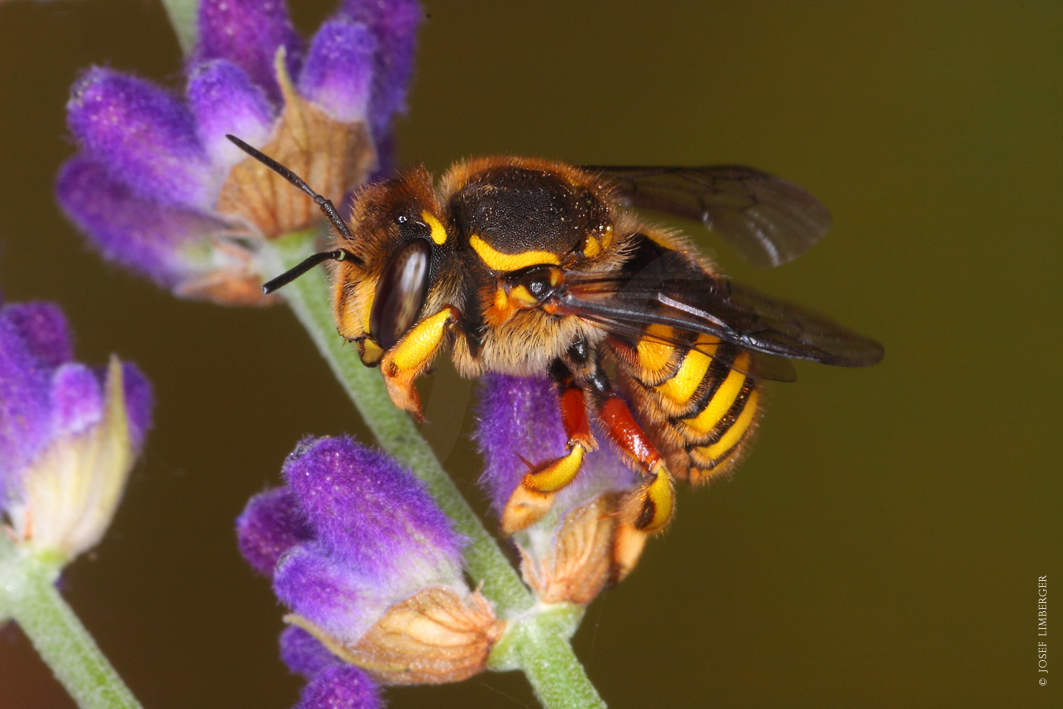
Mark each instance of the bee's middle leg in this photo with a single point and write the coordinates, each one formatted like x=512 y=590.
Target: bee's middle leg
x=535 y=495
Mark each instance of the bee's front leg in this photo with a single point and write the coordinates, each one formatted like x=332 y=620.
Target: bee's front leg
x=411 y=356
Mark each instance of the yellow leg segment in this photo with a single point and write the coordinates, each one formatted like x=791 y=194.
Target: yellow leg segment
x=651 y=505
x=535 y=494
x=555 y=475
x=407 y=360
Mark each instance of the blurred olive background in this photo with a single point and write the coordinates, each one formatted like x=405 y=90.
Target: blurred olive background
x=881 y=545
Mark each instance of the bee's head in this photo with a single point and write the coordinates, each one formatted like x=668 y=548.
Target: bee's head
x=382 y=260
x=397 y=235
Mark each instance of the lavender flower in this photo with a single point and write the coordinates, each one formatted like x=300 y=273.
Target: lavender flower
x=341 y=687
x=581 y=545
x=158 y=189
x=69 y=434
x=370 y=567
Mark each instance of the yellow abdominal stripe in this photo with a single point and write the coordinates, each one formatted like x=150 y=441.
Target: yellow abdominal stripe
x=734 y=434
x=695 y=365
x=499 y=261
x=722 y=400
x=655 y=354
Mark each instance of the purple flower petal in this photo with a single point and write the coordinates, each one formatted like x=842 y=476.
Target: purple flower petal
x=326 y=592
x=519 y=417
x=338 y=73
x=144 y=137
x=158 y=242
x=373 y=513
x=77 y=399
x=341 y=687
x=139 y=402
x=25 y=417
x=224 y=100
x=43 y=329
x=303 y=654
x=269 y=526
x=248 y=33
x=394 y=23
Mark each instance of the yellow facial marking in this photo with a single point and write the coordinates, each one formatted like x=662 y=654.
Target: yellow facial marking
x=422 y=341
x=592 y=247
x=523 y=296
x=439 y=234
x=654 y=355
x=510 y=262
x=695 y=364
x=722 y=400
x=371 y=352
x=736 y=431
x=368 y=312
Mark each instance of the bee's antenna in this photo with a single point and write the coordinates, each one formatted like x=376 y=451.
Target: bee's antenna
x=308 y=263
x=326 y=205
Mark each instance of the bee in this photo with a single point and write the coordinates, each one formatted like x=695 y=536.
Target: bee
x=526 y=266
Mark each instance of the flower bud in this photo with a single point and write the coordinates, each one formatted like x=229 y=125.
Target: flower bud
x=431 y=637
x=370 y=567
x=69 y=435
x=158 y=188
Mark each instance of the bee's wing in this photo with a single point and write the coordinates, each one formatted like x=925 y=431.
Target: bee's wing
x=769 y=220
x=719 y=307
x=760 y=365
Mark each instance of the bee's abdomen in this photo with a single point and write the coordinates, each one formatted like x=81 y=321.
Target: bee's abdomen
x=693 y=400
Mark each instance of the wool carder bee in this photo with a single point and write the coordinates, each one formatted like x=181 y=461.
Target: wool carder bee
x=526 y=266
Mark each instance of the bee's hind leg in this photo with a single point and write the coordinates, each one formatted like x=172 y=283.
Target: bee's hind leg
x=535 y=495
x=649 y=507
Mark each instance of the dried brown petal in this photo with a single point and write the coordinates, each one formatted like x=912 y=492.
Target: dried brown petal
x=332 y=157
x=234 y=284
x=434 y=636
x=593 y=549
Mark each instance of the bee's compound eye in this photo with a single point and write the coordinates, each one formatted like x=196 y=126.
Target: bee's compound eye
x=400 y=293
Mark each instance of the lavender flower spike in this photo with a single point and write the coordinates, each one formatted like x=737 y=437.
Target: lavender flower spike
x=370 y=567
x=581 y=545
x=158 y=189
x=68 y=434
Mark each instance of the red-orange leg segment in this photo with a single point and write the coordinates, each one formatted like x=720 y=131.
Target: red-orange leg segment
x=650 y=506
x=535 y=495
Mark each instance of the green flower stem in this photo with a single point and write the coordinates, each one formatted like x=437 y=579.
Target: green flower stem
x=536 y=643
x=28 y=595
x=183 y=15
